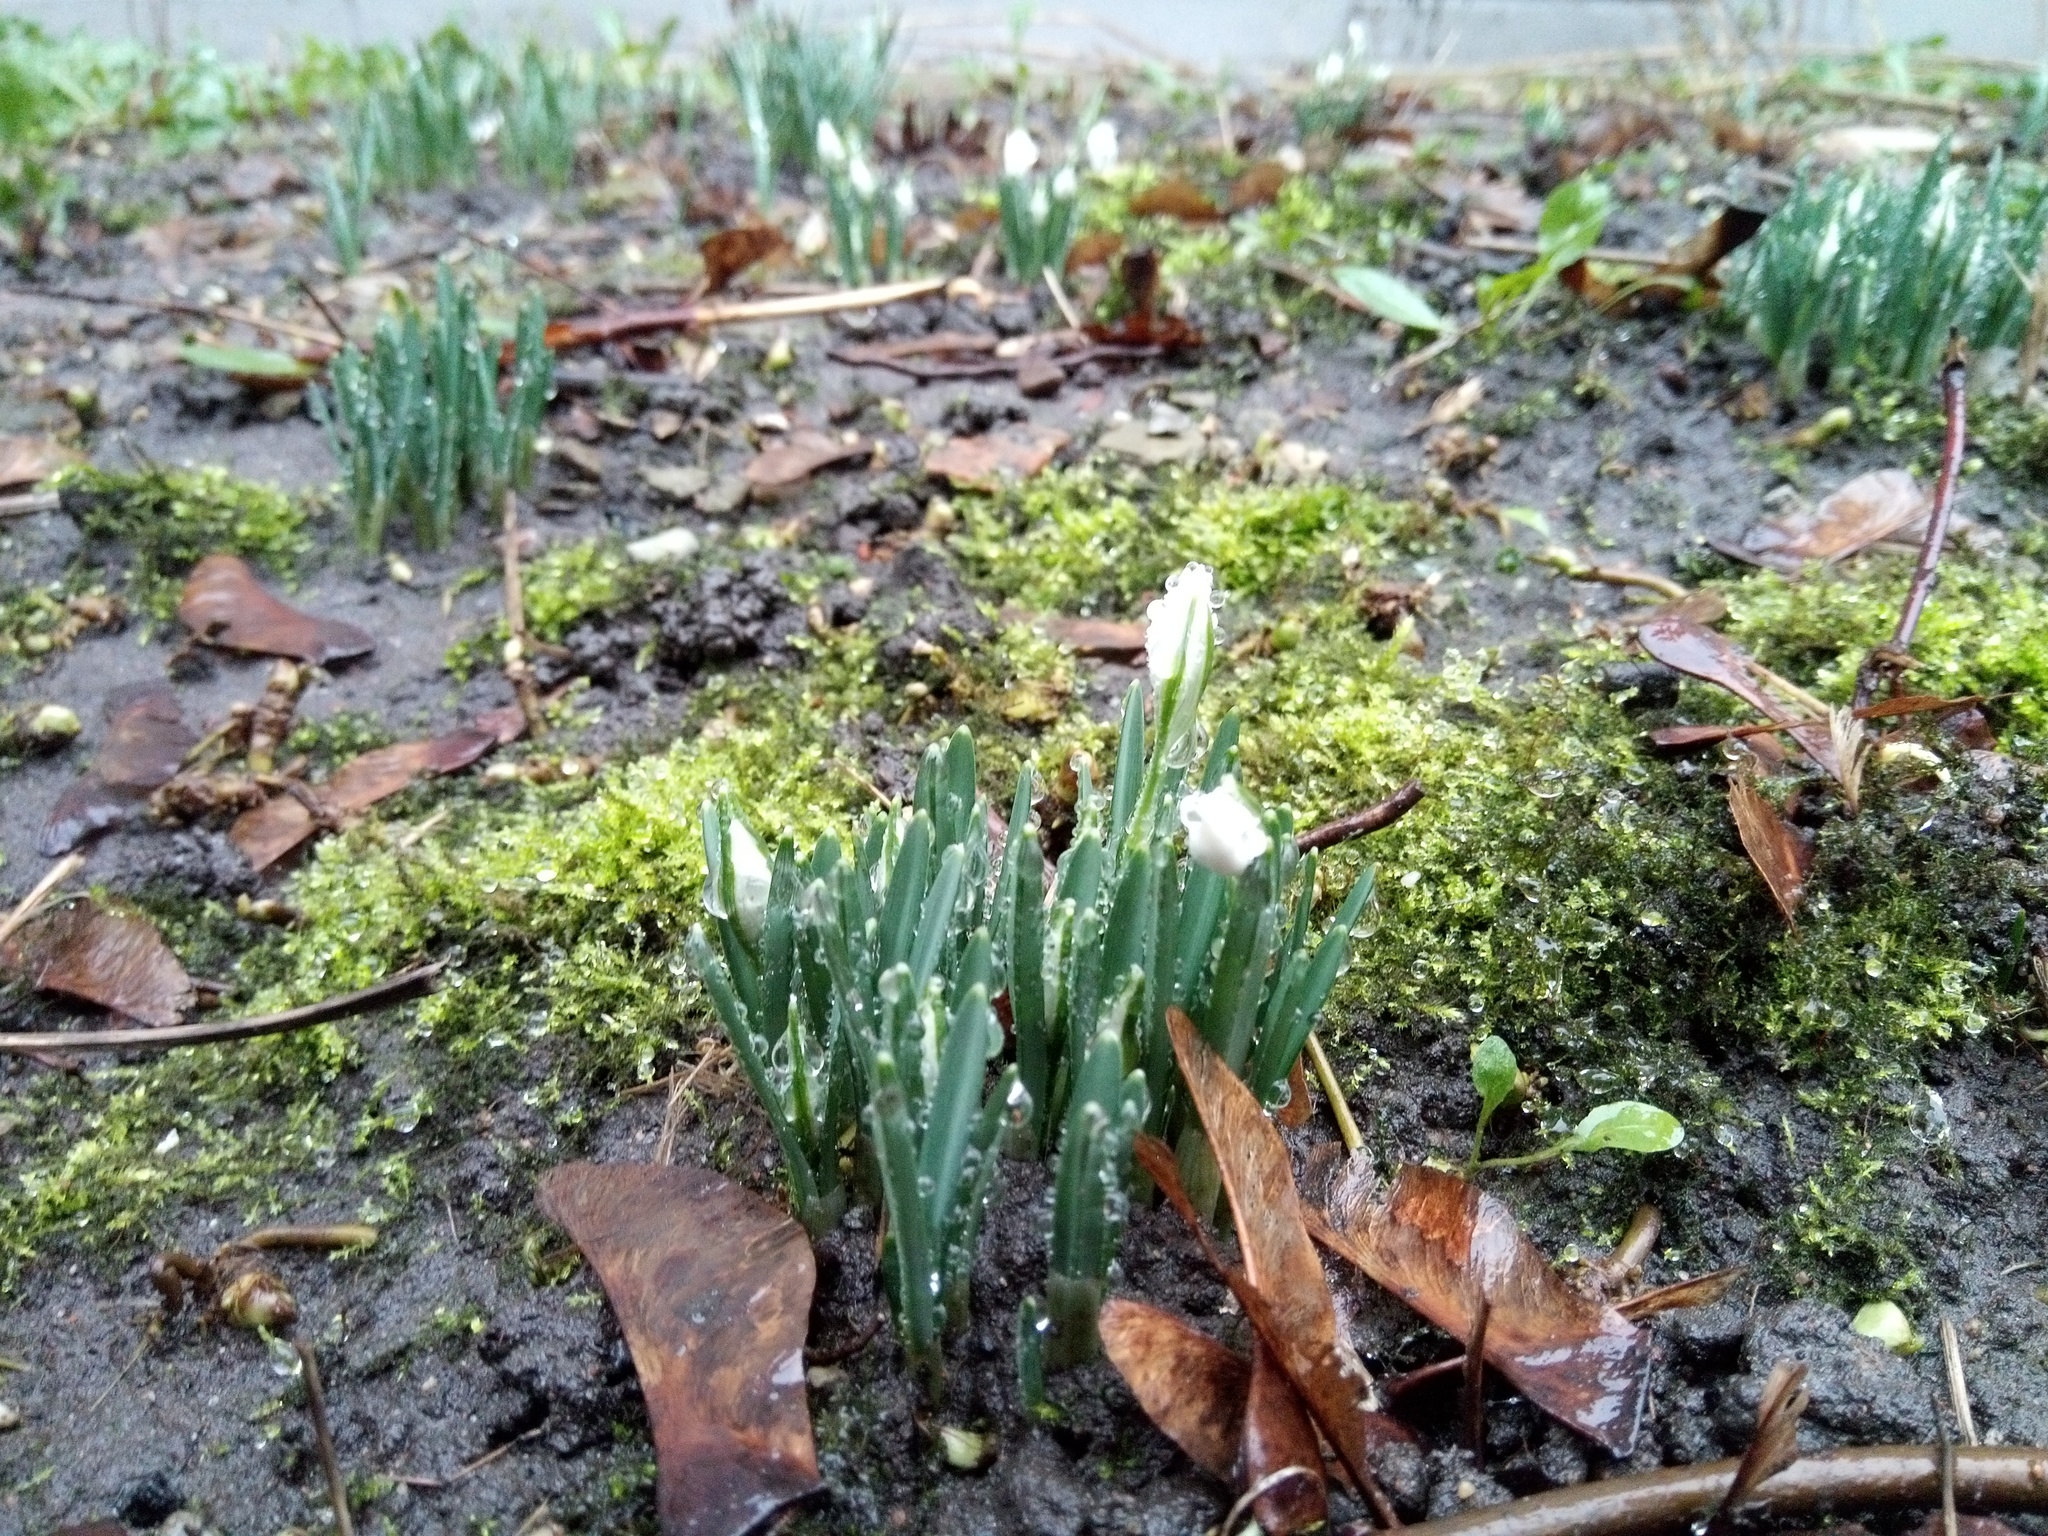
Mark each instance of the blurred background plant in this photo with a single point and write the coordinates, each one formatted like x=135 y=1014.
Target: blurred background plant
x=417 y=423
x=1036 y=211
x=792 y=74
x=1347 y=92
x=868 y=221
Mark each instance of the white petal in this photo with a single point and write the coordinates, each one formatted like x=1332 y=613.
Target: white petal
x=750 y=880
x=1225 y=834
x=1020 y=153
x=1102 y=147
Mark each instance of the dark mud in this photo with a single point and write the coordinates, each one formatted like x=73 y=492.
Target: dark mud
x=467 y=1396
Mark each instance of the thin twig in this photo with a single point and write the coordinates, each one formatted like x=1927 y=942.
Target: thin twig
x=1373 y=818
x=416 y=982
x=1347 y=1128
x=1059 y=296
x=1958 y=1383
x=220 y=314
x=518 y=670
x=2035 y=342
x=326 y=314
x=25 y=909
x=1668 y=1502
x=1565 y=563
x=1475 y=1380
x=27 y=503
x=510 y=248
x=323 y=1438
x=594 y=330
x=1948 y=1475
x=1634 y=1249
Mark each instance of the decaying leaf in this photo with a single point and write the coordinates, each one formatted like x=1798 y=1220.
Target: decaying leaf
x=1289 y=1301
x=273 y=829
x=146 y=745
x=225 y=605
x=791 y=462
x=1453 y=405
x=113 y=958
x=1868 y=509
x=1279 y=1437
x=1698 y=652
x=1095 y=248
x=730 y=252
x=1686 y=273
x=1110 y=639
x=28 y=460
x=1700 y=1291
x=1773 y=1445
x=1177 y=198
x=1258 y=185
x=712 y=1287
x=1780 y=855
x=1490 y=205
x=1193 y=1388
x=1443 y=1246
x=981 y=463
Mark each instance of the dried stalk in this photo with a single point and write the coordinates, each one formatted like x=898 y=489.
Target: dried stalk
x=1958 y=1383
x=57 y=874
x=1475 y=1380
x=323 y=1438
x=2036 y=339
x=1373 y=818
x=1347 y=1128
x=518 y=668
x=416 y=982
x=1773 y=1447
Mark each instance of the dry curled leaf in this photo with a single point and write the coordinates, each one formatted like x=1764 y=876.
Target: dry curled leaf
x=982 y=463
x=730 y=252
x=1700 y=1291
x=113 y=958
x=1447 y=1248
x=29 y=460
x=1109 y=639
x=225 y=605
x=1279 y=1436
x=1773 y=1446
x=1869 y=508
x=146 y=745
x=1176 y=198
x=1779 y=853
x=712 y=1287
x=1698 y=652
x=1193 y=1388
x=273 y=829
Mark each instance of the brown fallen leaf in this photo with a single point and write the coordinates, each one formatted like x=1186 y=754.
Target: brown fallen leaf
x=273 y=829
x=113 y=958
x=1700 y=1291
x=1685 y=737
x=1488 y=205
x=30 y=460
x=712 y=1288
x=730 y=252
x=1445 y=1247
x=781 y=469
x=145 y=747
x=1176 y=198
x=225 y=605
x=1110 y=639
x=1280 y=1263
x=588 y=462
x=1773 y=1445
x=1780 y=855
x=981 y=463
x=1258 y=186
x=1686 y=273
x=1698 y=652
x=1190 y=1386
x=1279 y=1437
x=1453 y=405
x=255 y=177
x=1869 y=508
x=1096 y=248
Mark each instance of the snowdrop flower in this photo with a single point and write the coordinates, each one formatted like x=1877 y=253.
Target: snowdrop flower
x=1225 y=835
x=1101 y=147
x=1331 y=70
x=1180 y=641
x=1041 y=204
x=1020 y=153
x=906 y=197
x=750 y=880
x=1356 y=33
x=831 y=148
x=861 y=178
x=1066 y=185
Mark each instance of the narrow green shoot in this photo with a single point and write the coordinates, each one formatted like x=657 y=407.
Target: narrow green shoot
x=791 y=75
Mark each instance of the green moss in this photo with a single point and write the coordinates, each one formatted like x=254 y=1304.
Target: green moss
x=1095 y=539
x=561 y=586
x=165 y=521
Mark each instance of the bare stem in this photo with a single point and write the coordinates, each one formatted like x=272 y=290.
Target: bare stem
x=316 y=1407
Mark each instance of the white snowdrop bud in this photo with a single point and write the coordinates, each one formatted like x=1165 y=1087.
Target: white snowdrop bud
x=750 y=879
x=1225 y=834
x=1101 y=147
x=831 y=148
x=1066 y=185
x=1180 y=643
x=1020 y=153
x=862 y=179
x=1331 y=70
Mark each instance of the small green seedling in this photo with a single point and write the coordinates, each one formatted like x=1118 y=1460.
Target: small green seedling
x=1388 y=297
x=1573 y=217
x=1626 y=1125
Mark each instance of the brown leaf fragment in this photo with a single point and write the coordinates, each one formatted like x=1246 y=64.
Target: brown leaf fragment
x=1096 y=248
x=224 y=605
x=1278 y=1436
x=29 y=460
x=1109 y=639
x=1258 y=185
x=273 y=829
x=712 y=1287
x=981 y=463
x=1772 y=845
x=730 y=252
x=1299 y=1321
x=791 y=462
x=1773 y=1446
x=1870 y=508
x=113 y=958
x=1039 y=377
x=1700 y=1291
x=1176 y=198
x=144 y=749
x=1190 y=1386
x=1444 y=1247
x=1490 y=206
x=1687 y=647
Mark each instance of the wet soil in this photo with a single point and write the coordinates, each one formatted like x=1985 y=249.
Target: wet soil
x=468 y=1398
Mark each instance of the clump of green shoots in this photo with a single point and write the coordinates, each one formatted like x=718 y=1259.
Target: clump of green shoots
x=1626 y=1125
x=418 y=424
x=35 y=197
x=863 y=214
x=1878 y=271
x=1347 y=91
x=898 y=949
x=1036 y=211
x=792 y=75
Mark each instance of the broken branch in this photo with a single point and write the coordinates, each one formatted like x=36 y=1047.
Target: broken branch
x=1373 y=818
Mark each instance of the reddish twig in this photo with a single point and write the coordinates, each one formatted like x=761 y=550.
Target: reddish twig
x=1373 y=818
x=1993 y=1479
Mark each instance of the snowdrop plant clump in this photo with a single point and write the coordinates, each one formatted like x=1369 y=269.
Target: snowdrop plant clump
x=1037 y=212
x=860 y=210
x=860 y=989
